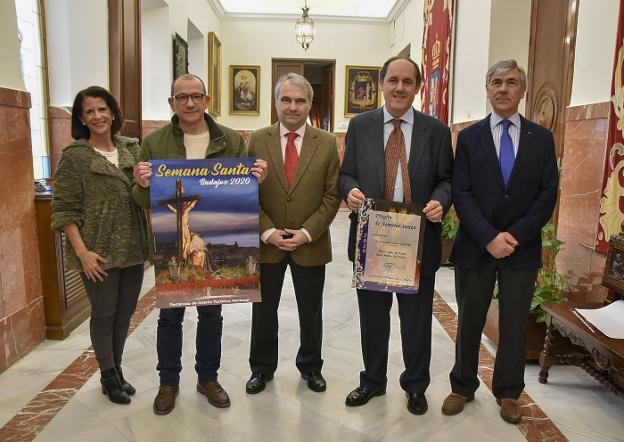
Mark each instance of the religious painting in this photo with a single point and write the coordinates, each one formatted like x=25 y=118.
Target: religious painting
x=613 y=277
x=204 y=216
x=180 y=56
x=388 y=252
x=214 y=74
x=361 y=89
x=244 y=90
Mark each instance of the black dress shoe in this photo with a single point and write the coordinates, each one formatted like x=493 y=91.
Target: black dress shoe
x=315 y=381
x=257 y=382
x=417 y=403
x=361 y=395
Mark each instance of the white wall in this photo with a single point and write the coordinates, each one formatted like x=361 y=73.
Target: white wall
x=10 y=73
x=159 y=25
x=407 y=28
x=77 y=46
x=197 y=50
x=472 y=38
x=595 y=49
x=486 y=30
x=156 y=64
x=510 y=29
x=256 y=43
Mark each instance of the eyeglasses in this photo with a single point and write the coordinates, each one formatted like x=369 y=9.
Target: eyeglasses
x=183 y=98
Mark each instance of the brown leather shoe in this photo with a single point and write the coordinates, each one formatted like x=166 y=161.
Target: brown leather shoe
x=454 y=404
x=510 y=410
x=215 y=393
x=164 y=401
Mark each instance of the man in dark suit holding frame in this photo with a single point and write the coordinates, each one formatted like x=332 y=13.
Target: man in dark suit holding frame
x=504 y=190
x=399 y=154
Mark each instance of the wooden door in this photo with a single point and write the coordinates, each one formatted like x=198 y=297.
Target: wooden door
x=124 y=58
x=282 y=67
x=551 y=64
x=327 y=101
x=551 y=67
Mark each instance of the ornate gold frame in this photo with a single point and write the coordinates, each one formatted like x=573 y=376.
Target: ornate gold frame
x=255 y=70
x=214 y=74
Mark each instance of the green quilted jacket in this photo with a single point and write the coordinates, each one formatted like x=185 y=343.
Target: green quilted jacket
x=168 y=143
x=97 y=196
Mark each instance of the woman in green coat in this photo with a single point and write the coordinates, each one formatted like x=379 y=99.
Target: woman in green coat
x=106 y=230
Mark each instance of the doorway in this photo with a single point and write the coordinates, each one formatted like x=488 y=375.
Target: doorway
x=320 y=74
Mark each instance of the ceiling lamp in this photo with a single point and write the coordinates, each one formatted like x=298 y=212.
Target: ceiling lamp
x=304 y=29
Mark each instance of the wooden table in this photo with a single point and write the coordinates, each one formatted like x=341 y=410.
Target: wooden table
x=572 y=340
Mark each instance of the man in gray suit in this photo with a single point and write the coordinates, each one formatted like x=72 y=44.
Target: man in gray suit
x=397 y=153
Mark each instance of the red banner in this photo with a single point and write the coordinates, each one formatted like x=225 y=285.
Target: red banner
x=436 y=58
x=612 y=201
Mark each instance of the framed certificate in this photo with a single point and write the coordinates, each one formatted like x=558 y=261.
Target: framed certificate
x=388 y=253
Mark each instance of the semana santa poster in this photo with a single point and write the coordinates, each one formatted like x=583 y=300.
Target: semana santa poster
x=204 y=217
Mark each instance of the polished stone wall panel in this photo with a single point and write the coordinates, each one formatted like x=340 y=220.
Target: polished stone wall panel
x=579 y=203
x=148 y=126
x=59 y=121
x=21 y=300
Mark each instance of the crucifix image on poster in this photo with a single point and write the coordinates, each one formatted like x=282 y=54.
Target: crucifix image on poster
x=182 y=206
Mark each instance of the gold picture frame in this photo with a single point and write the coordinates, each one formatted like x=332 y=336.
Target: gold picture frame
x=613 y=276
x=180 y=56
x=214 y=74
x=361 y=89
x=244 y=90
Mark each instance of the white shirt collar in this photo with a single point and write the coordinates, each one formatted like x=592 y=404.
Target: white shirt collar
x=407 y=117
x=495 y=119
x=284 y=131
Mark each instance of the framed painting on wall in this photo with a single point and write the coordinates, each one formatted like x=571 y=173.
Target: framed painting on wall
x=613 y=277
x=244 y=90
x=361 y=89
x=214 y=74
x=180 y=56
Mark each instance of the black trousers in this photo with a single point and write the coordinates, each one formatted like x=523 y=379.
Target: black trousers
x=415 y=315
x=308 y=283
x=474 y=290
x=113 y=302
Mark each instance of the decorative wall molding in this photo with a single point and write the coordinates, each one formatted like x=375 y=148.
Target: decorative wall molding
x=216 y=6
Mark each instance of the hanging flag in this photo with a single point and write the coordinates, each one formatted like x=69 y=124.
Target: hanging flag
x=436 y=58
x=612 y=201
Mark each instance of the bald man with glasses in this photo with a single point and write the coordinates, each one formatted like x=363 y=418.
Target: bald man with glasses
x=192 y=134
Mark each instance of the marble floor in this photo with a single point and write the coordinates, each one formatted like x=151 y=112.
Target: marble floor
x=572 y=405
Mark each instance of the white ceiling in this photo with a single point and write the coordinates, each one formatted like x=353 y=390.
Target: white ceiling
x=358 y=9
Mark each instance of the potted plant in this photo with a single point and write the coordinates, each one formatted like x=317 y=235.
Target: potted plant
x=550 y=285
x=549 y=288
x=450 y=225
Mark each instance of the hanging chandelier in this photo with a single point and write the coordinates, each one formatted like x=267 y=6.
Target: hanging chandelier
x=304 y=28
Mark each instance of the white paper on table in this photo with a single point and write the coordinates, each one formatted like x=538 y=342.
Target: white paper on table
x=608 y=319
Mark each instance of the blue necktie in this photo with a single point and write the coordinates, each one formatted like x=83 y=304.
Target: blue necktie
x=506 y=155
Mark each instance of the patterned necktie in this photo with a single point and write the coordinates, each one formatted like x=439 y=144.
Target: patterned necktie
x=506 y=155
x=290 y=157
x=395 y=157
